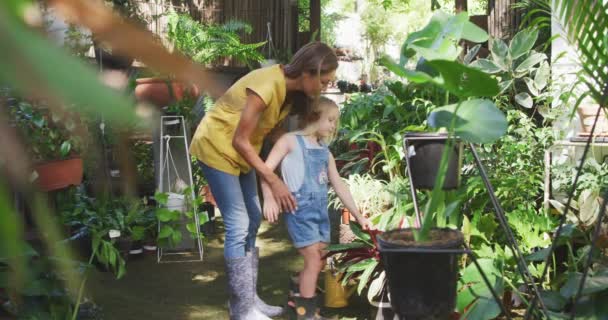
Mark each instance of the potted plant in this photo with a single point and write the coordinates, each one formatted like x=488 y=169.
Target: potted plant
x=372 y=197
x=172 y=213
x=206 y=44
x=359 y=262
x=472 y=120
x=55 y=139
x=424 y=151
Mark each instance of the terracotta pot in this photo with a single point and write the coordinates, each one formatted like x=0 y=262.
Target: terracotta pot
x=345 y=216
x=59 y=174
x=162 y=92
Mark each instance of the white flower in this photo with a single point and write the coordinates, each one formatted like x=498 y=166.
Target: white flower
x=114 y=234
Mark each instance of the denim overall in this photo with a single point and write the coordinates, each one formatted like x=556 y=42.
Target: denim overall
x=310 y=223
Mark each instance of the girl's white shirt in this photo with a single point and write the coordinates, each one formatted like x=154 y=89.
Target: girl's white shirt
x=292 y=165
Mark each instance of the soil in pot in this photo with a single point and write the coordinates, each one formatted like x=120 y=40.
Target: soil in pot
x=422 y=281
x=424 y=152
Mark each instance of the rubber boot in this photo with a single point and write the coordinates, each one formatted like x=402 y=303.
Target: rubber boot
x=271 y=311
x=307 y=309
x=240 y=286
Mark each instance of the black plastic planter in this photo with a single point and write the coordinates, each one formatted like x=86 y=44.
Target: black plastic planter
x=424 y=151
x=422 y=277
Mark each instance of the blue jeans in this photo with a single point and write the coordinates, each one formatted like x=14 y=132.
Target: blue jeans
x=237 y=199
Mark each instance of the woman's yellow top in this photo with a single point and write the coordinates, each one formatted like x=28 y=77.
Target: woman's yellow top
x=212 y=141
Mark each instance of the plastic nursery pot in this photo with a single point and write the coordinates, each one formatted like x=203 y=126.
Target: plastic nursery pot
x=422 y=277
x=424 y=151
x=177 y=202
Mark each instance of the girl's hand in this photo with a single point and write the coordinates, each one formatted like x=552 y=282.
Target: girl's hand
x=271 y=210
x=365 y=223
x=284 y=199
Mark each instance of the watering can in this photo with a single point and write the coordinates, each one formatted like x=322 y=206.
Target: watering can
x=336 y=295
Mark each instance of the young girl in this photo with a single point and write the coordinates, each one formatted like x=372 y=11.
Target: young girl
x=307 y=167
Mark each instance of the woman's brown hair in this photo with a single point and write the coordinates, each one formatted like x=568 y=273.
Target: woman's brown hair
x=315 y=58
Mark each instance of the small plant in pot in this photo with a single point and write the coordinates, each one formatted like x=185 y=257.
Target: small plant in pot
x=428 y=291
x=54 y=138
x=172 y=213
x=359 y=261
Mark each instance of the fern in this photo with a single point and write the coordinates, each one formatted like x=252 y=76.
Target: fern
x=206 y=44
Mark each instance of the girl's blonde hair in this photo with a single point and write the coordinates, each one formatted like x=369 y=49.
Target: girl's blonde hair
x=319 y=105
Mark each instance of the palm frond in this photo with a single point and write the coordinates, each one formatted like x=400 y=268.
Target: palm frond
x=586 y=24
x=538 y=13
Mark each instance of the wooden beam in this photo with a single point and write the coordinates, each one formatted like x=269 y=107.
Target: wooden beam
x=315 y=17
x=503 y=20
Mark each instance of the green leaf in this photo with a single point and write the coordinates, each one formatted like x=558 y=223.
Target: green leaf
x=477 y=121
x=473 y=33
x=66 y=146
x=540 y=255
x=176 y=238
x=471 y=53
x=345 y=246
x=473 y=287
x=522 y=42
x=465 y=81
x=553 y=300
x=138 y=232
x=164 y=214
x=17 y=7
x=482 y=309
x=531 y=86
x=413 y=76
x=366 y=275
x=592 y=285
x=524 y=100
x=438 y=39
x=365 y=237
x=38 y=120
x=500 y=53
x=504 y=85
x=161 y=198
x=542 y=75
x=191 y=227
x=165 y=232
x=487 y=66
x=532 y=60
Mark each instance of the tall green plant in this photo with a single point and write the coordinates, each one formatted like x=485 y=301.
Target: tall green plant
x=474 y=118
x=518 y=67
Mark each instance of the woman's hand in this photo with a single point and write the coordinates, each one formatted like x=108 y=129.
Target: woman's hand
x=271 y=209
x=365 y=223
x=282 y=195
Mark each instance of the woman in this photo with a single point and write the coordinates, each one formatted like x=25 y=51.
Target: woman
x=227 y=142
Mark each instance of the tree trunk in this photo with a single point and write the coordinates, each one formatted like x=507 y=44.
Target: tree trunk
x=461 y=5
x=315 y=18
